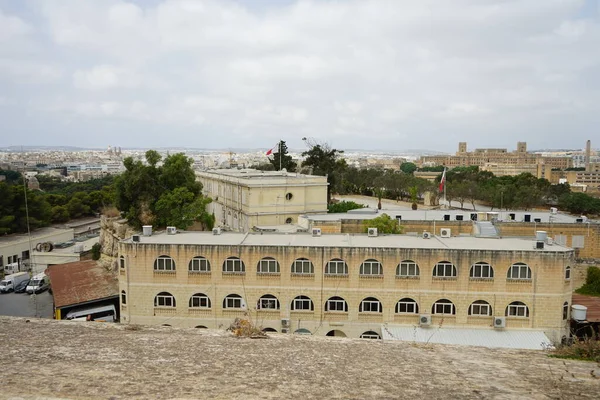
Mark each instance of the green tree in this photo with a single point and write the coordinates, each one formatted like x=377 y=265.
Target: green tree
x=384 y=224
x=286 y=160
x=60 y=214
x=96 y=248
x=408 y=167
x=181 y=208
x=324 y=161
x=343 y=206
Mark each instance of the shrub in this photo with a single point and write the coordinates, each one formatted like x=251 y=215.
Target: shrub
x=343 y=206
x=592 y=282
x=587 y=349
x=96 y=251
x=243 y=327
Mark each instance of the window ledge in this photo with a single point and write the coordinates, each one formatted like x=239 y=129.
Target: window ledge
x=512 y=280
x=415 y=277
x=333 y=276
x=164 y=272
x=303 y=311
x=234 y=310
x=268 y=310
x=199 y=272
x=233 y=273
x=445 y=278
x=515 y=318
x=199 y=310
x=268 y=273
x=296 y=275
x=371 y=276
x=472 y=279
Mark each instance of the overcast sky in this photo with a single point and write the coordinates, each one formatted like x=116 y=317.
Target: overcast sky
x=358 y=74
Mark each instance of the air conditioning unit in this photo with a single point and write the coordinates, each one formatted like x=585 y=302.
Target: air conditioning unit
x=445 y=232
x=135 y=238
x=425 y=320
x=426 y=235
x=499 y=322
x=285 y=322
x=216 y=231
x=171 y=230
x=553 y=210
x=549 y=241
x=316 y=231
x=372 y=232
x=285 y=330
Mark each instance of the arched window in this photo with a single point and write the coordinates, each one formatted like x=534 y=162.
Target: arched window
x=519 y=271
x=302 y=303
x=336 y=304
x=481 y=270
x=164 y=263
x=199 y=300
x=164 y=299
x=370 y=335
x=480 y=307
x=567 y=272
x=123 y=297
x=233 y=301
x=566 y=310
x=444 y=269
x=407 y=306
x=370 y=305
x=517 y=309
x=289 y=220
x=407 y=269
x=371 y=267
x=302 y=331
x=336 y=267
x=303 y=266
x=268 y=265
x=443 y=307
x=233 y=265
x=268 y=302
x=199 y=264
x=122 y=262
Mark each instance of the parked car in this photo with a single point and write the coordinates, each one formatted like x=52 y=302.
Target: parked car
x=20 y=288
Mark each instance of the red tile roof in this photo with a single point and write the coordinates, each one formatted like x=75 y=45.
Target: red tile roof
x=81 y=282
x=592 y=303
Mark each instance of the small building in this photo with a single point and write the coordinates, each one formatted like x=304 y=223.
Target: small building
x=82 y=284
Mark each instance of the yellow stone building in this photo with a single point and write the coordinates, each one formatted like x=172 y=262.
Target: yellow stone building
x=343 y=284
x=243 y=199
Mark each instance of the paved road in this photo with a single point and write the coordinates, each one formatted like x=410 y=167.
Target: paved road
x=25 y=305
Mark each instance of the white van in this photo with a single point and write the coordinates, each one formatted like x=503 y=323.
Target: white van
x=10 y=282
x=100 y=314
x=38 y=284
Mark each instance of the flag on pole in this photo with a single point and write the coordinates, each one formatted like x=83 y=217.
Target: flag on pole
x=270 y=151
x=443 y=181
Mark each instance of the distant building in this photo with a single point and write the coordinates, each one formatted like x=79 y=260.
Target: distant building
x=245 y=198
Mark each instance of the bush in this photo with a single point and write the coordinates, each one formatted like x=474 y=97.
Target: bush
x=592 y=283
x=243 y=327
x=343 y=206
x=96 y=251
x=587 y=349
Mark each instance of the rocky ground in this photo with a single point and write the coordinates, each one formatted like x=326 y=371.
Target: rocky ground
x=81 y=360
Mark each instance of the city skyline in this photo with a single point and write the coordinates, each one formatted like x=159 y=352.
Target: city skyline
x=244 y=74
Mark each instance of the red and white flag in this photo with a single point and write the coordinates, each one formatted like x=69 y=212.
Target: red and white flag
x=270 y=151
x=443 y=181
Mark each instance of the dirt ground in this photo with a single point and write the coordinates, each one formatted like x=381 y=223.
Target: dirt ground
x=83 y=360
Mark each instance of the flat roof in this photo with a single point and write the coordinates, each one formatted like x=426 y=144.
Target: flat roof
x=81 y=282
x=345 y=241
x=438 y=215
x=256 y=176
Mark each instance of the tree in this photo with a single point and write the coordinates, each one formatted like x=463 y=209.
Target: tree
x=286 y=160
x=343 y=206
x=408 y=168
x=180 y=207
x=324 y=161
x=384 y=224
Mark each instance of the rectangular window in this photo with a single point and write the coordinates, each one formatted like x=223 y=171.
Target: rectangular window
x=443 y=308
x=268 y=304
x=560 y=239
x=301 y=304
x=25 y=255
x=336 y=268
x=336 y=305
x=480 y=309
x=233 y=303
x=200 y=302
x=302 y=267
x=371 y=268
x=407 y=307
x=233 y=265
x=268 y=267
x=370 y=306
x=164 y=301
x=199 y=265
x=577 y=241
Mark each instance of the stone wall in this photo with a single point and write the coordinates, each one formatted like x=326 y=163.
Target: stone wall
x=112 y=230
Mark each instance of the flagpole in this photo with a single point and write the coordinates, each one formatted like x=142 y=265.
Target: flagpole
x=279 y=154
x=444 y=174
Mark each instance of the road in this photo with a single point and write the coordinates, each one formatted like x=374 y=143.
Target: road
x=25 y=305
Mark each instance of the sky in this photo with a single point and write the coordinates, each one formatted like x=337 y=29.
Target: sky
x=372 y=75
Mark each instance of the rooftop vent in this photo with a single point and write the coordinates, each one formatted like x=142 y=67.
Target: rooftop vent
x=147 y=230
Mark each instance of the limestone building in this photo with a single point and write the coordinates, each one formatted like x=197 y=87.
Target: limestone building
x=243 y=199
x=345 y=285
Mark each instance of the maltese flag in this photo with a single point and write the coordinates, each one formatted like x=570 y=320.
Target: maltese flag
x=270 y=151
x=443 y=181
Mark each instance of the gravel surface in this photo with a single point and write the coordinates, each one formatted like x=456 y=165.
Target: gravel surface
x=81 y=360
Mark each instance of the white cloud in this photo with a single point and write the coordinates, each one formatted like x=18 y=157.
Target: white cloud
x=354 y=72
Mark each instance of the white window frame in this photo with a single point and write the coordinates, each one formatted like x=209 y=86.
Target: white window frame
x=514 y=310
x=164 y=264
x=122 y=262
x=565 y=311
x=522 y=270
x=199 y=264
x=233 y=302
x=268 y=303
x=230 y=263
x=200 y=297
x=374 y=306
x=302 y=300
x=123 y=297
x=486 y=271
x=337 y=303
x=265 y=264
x=367 y=335
x=371 y=265
x=568 y=273
x=165 y=298
x=440 y=308
x=337 y=264
x=301 y=265
x=445 y=267
x=407 y=305
x=407 y=265
x=480 y=308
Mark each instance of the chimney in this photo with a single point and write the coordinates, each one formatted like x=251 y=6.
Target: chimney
x=588 y=151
